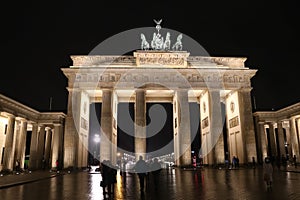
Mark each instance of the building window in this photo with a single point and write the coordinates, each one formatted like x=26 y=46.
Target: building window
x=5 y=129
x=2 y=156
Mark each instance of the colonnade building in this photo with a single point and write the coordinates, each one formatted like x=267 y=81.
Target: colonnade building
x=278 y=133
x=42 y=131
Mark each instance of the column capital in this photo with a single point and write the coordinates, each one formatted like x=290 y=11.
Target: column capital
x=33 y=124
x=182 y=88
x=279 y=122
x=214 y=89
x=293 y=118
x=22 y=119
x=140 y=90
x=42 y=126
x=57 y=124
x=181 y=91
x=108 y=89
x=7 y=114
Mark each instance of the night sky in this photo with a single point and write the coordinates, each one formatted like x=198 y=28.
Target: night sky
x=38 y=38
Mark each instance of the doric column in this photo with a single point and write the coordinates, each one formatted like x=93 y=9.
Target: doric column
x=16 y=142
x=114 y=129
x=8 y=152
x=56 y=137
x=61 y=146
x=288 y=138
x=33 y=159
x=216 y=127
x=272 y=144
x=79 y=149
x=48 y=147
x=41 y=146
x=71 y=132
x=298 y=135
x=247 y=125
x=206 y=145
x=294 y=140
x=106 y=125
x=140 y=123
x=175 y=130
x=281 y=142
x=263 y=139
x=22 y=142
x=184 y=128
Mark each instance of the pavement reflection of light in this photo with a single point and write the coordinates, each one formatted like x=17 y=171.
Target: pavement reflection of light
x=119 y=185
x=96 y=190
x=289 y=180
x=172 y=175
x=196 y=179
x=288 y=176
x=53 y=184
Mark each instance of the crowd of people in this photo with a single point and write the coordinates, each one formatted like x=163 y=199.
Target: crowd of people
x=143 y=170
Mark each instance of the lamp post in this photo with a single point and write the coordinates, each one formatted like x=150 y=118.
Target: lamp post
x=96 y=140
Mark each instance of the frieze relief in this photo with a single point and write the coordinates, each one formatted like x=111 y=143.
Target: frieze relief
x=161 y=58
x=162 y=77
x=162 y=61
x=102 y=60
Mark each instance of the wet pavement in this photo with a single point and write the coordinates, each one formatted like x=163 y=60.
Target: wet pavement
x=206 y=183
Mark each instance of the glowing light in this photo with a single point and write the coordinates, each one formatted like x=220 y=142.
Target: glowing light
x=96 y=191
x=97 y=138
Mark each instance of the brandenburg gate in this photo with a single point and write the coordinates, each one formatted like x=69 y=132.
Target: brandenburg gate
x=161 y=76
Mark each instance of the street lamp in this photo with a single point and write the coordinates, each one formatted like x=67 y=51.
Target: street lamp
x=96 y=140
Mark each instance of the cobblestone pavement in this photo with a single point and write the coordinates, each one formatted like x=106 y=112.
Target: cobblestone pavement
x=26 y=177
x=207 y=183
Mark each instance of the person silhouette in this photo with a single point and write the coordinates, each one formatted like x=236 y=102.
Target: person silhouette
x=104 y=173
x=17 y=165
x=56 y=165
x=234 y=162
x=268 y=173
x=237 y=162
x=155 y=171
x=141 y=169
x=108 y=173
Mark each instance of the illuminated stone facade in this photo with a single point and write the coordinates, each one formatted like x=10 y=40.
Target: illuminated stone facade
x=220 y=85
x=160 y=76
x=278 y=133
x=46 y=128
